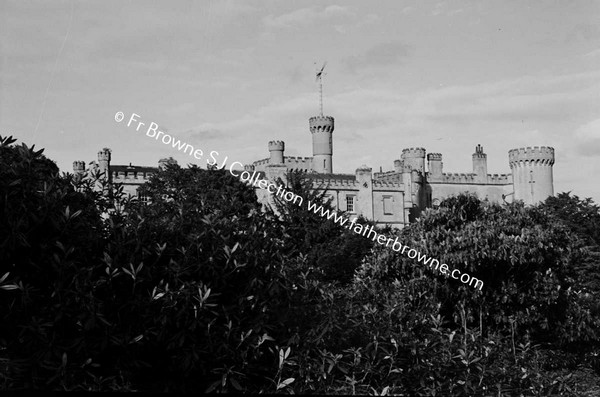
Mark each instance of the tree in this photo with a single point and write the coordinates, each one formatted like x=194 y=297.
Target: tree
x=524 y=257
x=332 y=250
x=50 y=234
x=582 y=217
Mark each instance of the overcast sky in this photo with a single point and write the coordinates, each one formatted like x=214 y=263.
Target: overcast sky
x=232 y=75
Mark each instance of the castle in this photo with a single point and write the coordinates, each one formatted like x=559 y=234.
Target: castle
x=395 y=197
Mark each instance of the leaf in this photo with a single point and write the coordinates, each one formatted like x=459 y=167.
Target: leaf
x=212 y=387
x=285 y=383
x=9 y=287
x=158 y=296
x=235 y=384
x=137 y=338
x=4 y=277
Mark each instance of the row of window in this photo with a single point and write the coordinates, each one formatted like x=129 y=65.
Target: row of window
x=387 y=204
x=350 y=201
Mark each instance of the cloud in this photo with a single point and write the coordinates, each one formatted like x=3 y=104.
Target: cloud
x=583 y=32
x=588 y=139
x=380 y=55
x=307 y=16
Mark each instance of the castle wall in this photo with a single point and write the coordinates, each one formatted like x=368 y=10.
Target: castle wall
x=299 y=163
x=440 y=191
x=131 y=180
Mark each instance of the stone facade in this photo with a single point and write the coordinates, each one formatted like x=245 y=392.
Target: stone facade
x=417 y=180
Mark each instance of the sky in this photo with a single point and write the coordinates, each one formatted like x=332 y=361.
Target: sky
x=230 y=76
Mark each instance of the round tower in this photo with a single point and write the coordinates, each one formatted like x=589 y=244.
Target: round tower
x=414 y=159
x=276 y=149
x=531 y=169
x=321 y=128
x=104 y=162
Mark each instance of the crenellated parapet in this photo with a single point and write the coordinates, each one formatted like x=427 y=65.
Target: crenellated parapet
x=377 y=175
x=348 y=182
x=413 y=152
x=276 y=146
x=471 y=178
x=78 y=167
x=321 y=124
x=499 y=179
x=534 y=155
x=398 y=165
x=130 y=177
x=260 y=162
x=458 y=177
x=104 y=154
x=298 y=158
x=387 y=185
x=435 y=165
x=413 y=159
x=532 y=173
x=299 y=163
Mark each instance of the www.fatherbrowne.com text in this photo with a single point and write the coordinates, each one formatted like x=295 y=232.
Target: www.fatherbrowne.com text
x=153 y=131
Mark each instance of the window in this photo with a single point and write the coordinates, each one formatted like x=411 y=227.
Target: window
x=143 y=198
x=350 y=203
x=387 y=205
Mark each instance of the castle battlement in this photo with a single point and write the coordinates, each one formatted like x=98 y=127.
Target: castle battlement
x=79 y=166
x=104 y=154
x=335 y=183
x=321 y=124
x=276 y=145
x=120 y=176
x=377 y=185
x=413 y=152
x=470 y=178
x=458 y=177
x=503 y=179
x=298 y=158
x=260 y=162
x=383 y=174
x=434 y=156
x=535 y=154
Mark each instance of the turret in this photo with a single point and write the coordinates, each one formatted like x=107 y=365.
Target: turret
x=434 y=164
x=364 y=198
x=321 y=128
x=398 y=165
x=480 y=164
x=78 y=167
x=414 y=158
x=104 y=162
x=531 y=169
x=276 y=149
x=78 y=170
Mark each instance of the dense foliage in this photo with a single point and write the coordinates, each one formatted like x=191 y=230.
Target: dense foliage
x=202 y=289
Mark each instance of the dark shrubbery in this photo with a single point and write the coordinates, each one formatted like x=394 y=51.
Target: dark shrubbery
x=203 y=290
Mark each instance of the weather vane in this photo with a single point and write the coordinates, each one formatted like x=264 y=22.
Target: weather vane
x=320 y=75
